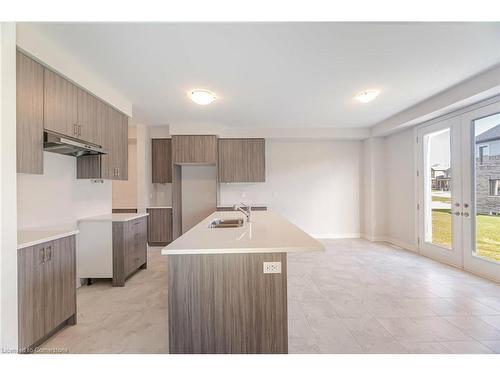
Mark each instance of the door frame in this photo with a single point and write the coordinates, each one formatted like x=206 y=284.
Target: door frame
x=487 y=268
x=453 y=256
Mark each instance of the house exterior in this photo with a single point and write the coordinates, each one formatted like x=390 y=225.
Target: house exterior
x=441 y=178
x=488 y=172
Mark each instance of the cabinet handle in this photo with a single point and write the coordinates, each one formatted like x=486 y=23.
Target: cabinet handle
x=79 y=130
x=41 y=255
x=49 y=253
x=118 y=172
x=75 y=129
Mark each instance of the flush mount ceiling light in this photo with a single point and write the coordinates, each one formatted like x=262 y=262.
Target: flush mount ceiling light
x=201 y=97
x=367 y=96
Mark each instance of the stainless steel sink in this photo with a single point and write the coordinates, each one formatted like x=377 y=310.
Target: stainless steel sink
x=226 y=223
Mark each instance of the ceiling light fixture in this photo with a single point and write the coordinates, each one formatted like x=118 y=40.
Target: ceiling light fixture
x=367 y=96
x=201 y=97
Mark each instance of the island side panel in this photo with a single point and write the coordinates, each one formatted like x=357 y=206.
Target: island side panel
x=224 y=303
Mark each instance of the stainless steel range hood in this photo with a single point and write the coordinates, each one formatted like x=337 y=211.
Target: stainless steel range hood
x=65 y=145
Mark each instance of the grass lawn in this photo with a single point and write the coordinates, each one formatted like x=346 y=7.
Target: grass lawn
x=487 y=227
x=441 y=199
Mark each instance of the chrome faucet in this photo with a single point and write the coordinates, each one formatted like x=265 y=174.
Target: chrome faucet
x=247 y=210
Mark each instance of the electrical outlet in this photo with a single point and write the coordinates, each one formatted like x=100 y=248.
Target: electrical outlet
x=272 y=267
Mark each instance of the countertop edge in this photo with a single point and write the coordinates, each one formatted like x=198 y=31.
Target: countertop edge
x=47 y=239
x=240 y=250
x=98 y=218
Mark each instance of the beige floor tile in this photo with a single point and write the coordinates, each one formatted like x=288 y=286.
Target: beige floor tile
x=466 y=347
x=474 y=327
x=356 y=297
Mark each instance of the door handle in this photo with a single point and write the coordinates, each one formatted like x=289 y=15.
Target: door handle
x=41 y=255
x=457 y=213
x=466 y=214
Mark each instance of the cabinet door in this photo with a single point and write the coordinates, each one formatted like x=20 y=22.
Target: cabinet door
x=30 y=295
x=194 y=149
x=29 y=115
x=159 y=225
x=88 y=117
x=117 y=145
x=242 y=160
x=60 y=105
x=161 y=161
x=122 y=156
x=59 y=281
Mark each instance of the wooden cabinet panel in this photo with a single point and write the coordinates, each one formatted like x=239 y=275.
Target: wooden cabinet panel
x=60 y=280
x=194 y=149
x=113 y=130
x=29 y=115
x=115 y=163
x=30 y=295
x=129 y=249
x=159 y=226
x=161 y=160
x=46 y=289
x=60 y=104
x=88 y=117
x=242 y=160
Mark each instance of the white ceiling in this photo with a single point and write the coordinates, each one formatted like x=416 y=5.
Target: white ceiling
x=278 y=74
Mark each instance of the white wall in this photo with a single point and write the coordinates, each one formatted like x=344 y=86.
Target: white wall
x=57 y=199
x=400 y=191
x=315 y=184
x=8 y=228
x=125 y=192
x=373 y=204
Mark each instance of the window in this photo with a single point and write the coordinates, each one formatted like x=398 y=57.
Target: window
x=495 y=187
x=483 y=151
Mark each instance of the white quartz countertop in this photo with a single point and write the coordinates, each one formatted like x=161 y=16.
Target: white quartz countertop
x=266 y=233
x=27 y=238
x=114 y=217
x=160 y=207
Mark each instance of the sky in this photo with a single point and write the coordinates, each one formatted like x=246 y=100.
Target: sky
x=439 y=143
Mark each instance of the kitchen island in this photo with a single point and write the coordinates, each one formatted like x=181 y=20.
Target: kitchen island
x=227 y=287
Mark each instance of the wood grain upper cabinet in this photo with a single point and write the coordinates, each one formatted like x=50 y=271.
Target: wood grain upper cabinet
x=29 y=115
x=117 y=140
x=242 y=160
x=194 y=149
x=60 y=105
x=88 y=118
x=161 y=160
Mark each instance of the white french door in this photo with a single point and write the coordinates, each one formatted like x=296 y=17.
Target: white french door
x=459 y=191
x=481 y=190
x=440 y=193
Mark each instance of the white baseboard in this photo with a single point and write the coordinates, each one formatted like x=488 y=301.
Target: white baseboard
x=326 y=236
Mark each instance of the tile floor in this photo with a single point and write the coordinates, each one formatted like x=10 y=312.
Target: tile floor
x=356 y=297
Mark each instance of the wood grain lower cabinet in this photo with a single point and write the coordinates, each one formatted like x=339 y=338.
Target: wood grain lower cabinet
x=161 y=160
x=159 y=226
x=29 y=115
x=129 y=248
x=241 y=160
x=194 y=149
x=46 y=290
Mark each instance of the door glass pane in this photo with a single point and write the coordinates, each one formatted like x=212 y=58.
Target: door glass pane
x=437 y=189
x=486 y=188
